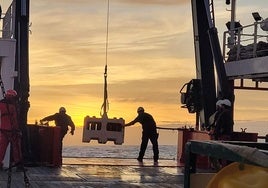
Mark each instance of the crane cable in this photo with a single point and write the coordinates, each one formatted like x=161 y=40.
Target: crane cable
x=105 y=105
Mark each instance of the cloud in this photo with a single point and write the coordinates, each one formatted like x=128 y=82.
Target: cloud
x=157 y=95
x=150 y=56
x=155 y=2
x=146 y=2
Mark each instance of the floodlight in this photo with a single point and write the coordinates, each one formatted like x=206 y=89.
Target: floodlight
x=256 y=16
x=237 y=26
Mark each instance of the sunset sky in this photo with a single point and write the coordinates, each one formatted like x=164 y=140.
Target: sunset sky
x=150 y=57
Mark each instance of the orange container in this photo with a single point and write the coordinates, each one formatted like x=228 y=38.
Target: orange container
x=45 y=145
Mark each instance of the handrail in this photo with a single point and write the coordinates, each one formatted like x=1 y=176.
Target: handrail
x=7 y=23
x=243 y=37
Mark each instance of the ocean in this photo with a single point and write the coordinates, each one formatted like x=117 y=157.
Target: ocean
x=73 y=146
x=168 y=152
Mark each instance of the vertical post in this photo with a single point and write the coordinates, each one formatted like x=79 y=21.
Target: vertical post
x=190 y=165
x=255 y=39
x=202 y=21
x=238 y=45
x=232 y=25
x=21 y=84
x=197 y=115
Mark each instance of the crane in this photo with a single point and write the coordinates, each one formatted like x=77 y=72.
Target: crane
x=215 y=75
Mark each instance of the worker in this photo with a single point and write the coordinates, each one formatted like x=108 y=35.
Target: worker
x=149 y=132
x=10 y=132
x=221 y=128
x=223 y=122
x=214 y=116
x=63 y=121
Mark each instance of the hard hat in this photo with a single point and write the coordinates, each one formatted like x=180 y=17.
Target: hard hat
x=219 y=102
x=62 y=109
x=11 y=93
x=226 y=102
x=140 y=109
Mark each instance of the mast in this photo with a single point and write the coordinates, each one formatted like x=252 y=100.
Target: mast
x=21 y=83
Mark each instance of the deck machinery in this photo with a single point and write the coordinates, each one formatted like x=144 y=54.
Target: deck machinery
x=234 y=63
x=217 y=72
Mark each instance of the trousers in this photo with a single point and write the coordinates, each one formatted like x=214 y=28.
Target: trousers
x=154 y=140
x=15 y=141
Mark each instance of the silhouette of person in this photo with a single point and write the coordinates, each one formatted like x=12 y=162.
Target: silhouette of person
x=149 y=133
x=63 y=121
x=221 y=128
x=223 y=123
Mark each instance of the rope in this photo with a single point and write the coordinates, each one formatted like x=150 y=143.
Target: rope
x=172 y=129
x=105 y=105
x=107 y=31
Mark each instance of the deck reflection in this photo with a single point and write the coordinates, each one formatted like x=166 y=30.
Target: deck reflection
x=99 y=173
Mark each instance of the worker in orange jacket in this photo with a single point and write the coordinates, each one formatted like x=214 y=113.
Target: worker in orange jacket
x=9 y=128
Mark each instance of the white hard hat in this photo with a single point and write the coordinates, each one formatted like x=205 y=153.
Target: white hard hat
x=62 y=109
x=140 y=109
x=226 y=102
x=219 y=102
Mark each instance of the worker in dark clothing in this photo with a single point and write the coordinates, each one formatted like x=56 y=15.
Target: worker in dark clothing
x=221 y=128
x=63 y=121
x=149 y=132
x=223 y=125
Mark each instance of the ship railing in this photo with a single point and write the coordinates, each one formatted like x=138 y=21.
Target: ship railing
x=7 y=23
x=264 y=138
x=246 y=42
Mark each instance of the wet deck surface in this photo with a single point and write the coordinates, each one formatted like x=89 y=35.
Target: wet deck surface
x=101 y=173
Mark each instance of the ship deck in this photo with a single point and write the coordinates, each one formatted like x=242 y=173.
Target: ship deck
x=99 y=173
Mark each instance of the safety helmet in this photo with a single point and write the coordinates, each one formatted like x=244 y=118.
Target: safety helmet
x=219 y=102
x=11 y=93
x=140 y=109
x=62 y=109
x=226 y=102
